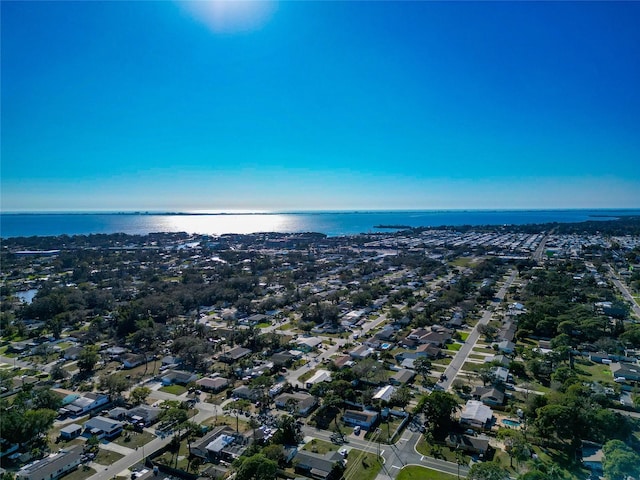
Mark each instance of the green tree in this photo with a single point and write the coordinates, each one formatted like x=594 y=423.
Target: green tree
x=88 y=358
x=487 y=471
x=287 y=433
x=438 y=408
x=274 y=452
x=620 y=461
x=114 y=384
x=139 y=394
x=255 y=467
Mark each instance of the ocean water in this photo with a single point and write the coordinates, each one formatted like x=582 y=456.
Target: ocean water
x=330 y=223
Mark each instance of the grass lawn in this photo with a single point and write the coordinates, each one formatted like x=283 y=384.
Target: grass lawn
x=439 y=450
x=227 y=420
x=477 y=356
x=135 y=439
x=414 y=472
x=174 y=389
x=462 y=262
x=306 y=376
x=285 y=326
x=472 y=367
x=483 y=350
x=594 y=371
x=107 y=457
x=320 y=447
x=80 y=473
x=442 y=361
x=463 y=336
x=263 y=325
x=454 y=346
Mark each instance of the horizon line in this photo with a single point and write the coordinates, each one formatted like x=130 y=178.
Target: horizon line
x=302 y=212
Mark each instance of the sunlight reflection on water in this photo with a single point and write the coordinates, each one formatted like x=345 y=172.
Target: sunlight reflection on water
x=218 y=224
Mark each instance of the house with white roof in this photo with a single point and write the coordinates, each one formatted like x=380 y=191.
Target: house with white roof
x=476 y=414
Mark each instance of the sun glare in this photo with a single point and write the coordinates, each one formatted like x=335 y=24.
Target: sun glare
x=231 y=16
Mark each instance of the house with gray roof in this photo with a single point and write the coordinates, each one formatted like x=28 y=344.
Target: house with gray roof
x=488 y=395
x=178 y=377
x=314 y=465
x=212 y=384
x=467 y=443
x=53 y=466
x=300 y=402
x=402 y=377
x=103 y=427
x=234 y=354
x=365 y=419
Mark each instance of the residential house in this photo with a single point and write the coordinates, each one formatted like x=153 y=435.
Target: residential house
x=365 y=419
x=178 y=377
x=592 y=457
x=282 y=359
x=215 y=384
x=314 y=465
x=500 y=374
x=488 y=395
x=222 y=443
x=307 y=344
x=53 y=466
x=361 y=352
x=144 y=414
x=476 y=414
x=506 y=346
x=625 y=372
x=132 y=360
x=467 y=443
x=70 y=432
x=247 y=393
x=319 y=376
x=71 y=353
x=402 y=377
x=429 y=350
x=84 y=404
x=385 y=335
x=235 y=354
x=300 y=402
x=343 y=361
x=384 y=393
x=103 y=427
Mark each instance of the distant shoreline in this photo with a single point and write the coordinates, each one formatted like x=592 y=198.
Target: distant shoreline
x=332 y=212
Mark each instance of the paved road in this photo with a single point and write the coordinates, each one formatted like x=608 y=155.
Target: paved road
x=461 y=357
x=624 y=290
x=539 y=252
x=395 y=456
x=15 y=362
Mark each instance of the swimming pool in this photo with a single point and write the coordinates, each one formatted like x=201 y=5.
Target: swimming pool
x=385 y=346
x=510 y=423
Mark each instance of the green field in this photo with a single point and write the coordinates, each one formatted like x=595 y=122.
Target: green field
x=414 y=472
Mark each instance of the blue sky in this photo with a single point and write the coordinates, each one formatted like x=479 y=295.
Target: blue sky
x=319 y=105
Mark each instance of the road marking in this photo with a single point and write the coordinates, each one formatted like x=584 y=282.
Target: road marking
x=422 y=458
x=395 y=466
